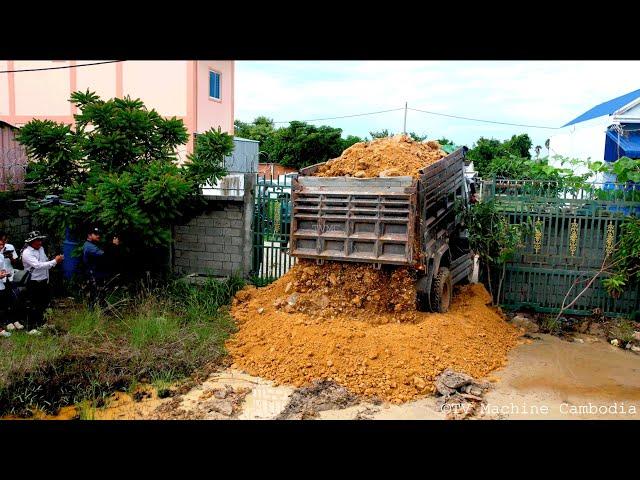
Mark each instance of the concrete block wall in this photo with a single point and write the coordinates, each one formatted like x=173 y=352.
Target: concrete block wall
x=217 y=242
x=17 y=224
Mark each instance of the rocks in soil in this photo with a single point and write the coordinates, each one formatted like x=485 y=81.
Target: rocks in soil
x=319 y=396
x=460 y=394
x=526 y=323
x=615 y=342
x=636 y=336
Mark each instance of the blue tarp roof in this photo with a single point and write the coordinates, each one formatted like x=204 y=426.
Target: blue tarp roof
x=628 y=145
x=606 y=108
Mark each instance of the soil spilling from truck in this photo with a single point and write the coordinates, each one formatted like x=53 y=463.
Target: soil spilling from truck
x=351 y=290
x=399 y=155
x=368 y=349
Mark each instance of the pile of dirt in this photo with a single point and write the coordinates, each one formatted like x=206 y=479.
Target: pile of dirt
x=339 y=289
x=321 y=395
x=395 y=361
x=399 y=155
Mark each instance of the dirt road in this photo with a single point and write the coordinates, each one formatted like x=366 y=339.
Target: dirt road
x=546 y=378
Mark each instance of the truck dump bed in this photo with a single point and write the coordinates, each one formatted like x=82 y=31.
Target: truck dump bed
x=353 y=219
x=374 y=220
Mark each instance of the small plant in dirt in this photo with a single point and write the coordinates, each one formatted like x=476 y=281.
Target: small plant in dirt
x=551 y=324
x=622 y=330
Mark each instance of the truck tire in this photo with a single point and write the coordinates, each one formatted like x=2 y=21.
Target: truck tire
x=441 y=291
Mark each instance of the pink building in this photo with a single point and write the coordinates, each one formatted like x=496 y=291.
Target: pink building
x=200 y=92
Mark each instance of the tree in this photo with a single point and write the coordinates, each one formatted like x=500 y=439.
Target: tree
x=380 y=134
x=351 y=140
x=300 y=144
x=485 y=151
x=538 y=149
x=118 y=165
x=261 y=129
x=418 y=138
x=547 y=143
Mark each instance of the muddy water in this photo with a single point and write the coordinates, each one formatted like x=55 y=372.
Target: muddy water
x=573 y=380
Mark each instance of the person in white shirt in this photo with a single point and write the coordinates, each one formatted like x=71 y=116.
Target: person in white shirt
x=35 y=260
x=7 y=253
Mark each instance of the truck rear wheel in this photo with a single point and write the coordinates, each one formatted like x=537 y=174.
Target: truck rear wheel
x=441 y=291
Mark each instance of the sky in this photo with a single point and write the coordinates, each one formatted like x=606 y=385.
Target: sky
x=542 y=93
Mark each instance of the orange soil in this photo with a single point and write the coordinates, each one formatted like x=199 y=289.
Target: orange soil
x=393 y=156
x=371 y=349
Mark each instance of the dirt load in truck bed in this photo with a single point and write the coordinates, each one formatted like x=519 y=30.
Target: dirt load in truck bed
x=309 y=325
x=399 y=155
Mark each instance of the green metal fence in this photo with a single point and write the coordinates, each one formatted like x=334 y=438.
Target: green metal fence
x=574 y=229
x=271 y=228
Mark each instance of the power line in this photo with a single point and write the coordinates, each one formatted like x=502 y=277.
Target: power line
x=346 y=116
x=481 y=120
x=58 y=68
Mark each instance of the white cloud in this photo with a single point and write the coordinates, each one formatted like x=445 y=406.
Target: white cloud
x=541 y=93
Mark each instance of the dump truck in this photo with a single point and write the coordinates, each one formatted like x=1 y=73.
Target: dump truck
x=387 y=221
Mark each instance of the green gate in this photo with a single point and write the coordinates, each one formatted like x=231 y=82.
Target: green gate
x=271 y=228
x=573 y=230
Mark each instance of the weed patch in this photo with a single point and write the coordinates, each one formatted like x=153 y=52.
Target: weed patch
x=159 y=335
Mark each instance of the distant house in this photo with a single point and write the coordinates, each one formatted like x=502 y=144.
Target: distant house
x=607 y=132
x=273 y=170
x=13 y=158
x=201 y=92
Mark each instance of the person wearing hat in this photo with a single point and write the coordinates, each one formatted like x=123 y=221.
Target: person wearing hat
x=35 y=260
x=96 y=270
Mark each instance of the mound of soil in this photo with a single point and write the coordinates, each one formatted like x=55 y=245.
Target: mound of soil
x=339 y=289
x=396 y=361
x=399 y=155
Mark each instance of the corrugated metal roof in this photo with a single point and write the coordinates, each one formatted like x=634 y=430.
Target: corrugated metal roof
x=606 y=108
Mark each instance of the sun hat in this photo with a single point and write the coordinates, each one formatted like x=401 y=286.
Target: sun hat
x=35 y=235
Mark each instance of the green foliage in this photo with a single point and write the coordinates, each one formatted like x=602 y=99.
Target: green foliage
x=626 y=169
x=351 y=140
x=486 y=150
x=622 y=330
x=626 y=258
x=119 y=167
x=493 y=238
x=207 y=162
x=261 y=129
x=301 y=144
x=380 y=134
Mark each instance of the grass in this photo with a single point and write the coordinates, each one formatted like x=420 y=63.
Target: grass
x=157 y=335
x=551 y=324
x=622 y=330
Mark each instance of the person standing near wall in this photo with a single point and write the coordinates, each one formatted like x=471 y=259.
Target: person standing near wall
x=36 y=261
x=96 y=268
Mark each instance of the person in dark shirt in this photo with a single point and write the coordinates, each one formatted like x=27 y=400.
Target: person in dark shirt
x=96 y=266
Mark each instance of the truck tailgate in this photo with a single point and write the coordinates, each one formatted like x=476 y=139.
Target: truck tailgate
x=368 y=220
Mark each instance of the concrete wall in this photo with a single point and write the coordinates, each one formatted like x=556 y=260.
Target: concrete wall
x=217 y=242
x=17 y=224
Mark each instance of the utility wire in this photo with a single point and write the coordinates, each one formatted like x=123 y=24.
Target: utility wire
x=58 y=68
x=481 y=120
x=345 y=116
